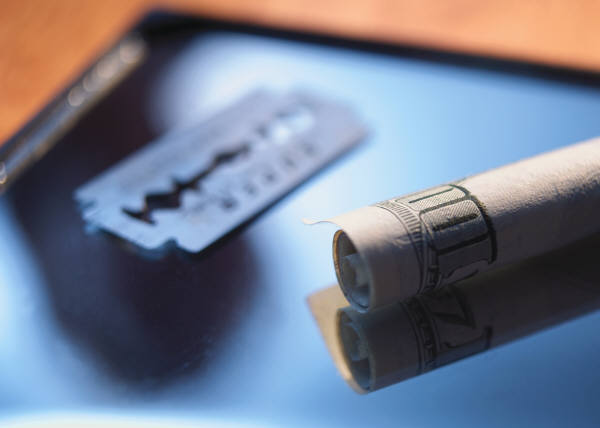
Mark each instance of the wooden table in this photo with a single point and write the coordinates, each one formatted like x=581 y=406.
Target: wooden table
x=45 y=44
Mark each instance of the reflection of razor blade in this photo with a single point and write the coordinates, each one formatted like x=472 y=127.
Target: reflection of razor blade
x=192 y=187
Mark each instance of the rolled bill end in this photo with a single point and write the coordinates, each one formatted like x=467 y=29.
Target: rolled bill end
x=379 y=348
x=370 y=252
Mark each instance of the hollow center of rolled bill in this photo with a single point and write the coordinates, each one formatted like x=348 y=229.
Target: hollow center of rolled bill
x=351 y=271
x=356 y=352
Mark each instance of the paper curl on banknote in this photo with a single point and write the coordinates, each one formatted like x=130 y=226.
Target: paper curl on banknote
x=405 y=246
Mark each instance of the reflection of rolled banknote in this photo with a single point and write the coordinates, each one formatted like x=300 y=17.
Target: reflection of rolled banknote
x=422 y=333
x=405 y=246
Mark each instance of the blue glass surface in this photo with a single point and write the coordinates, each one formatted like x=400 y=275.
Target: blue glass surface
x=429 y=123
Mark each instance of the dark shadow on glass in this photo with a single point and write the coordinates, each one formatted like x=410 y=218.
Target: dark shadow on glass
x=145 y=320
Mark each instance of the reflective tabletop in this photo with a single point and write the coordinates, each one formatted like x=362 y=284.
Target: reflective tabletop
x=89 y=326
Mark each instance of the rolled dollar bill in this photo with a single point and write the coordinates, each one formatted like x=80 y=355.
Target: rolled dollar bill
x=413 y=244
x=431 y=330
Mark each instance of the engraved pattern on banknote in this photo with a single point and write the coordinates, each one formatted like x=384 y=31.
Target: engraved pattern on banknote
x=449 y=230
x=414 y=228
x=445 y=328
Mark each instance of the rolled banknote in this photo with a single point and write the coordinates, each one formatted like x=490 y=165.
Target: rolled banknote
x=376 y=349
x=413 y=244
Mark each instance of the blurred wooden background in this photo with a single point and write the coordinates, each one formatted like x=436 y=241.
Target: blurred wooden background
x=46 y=43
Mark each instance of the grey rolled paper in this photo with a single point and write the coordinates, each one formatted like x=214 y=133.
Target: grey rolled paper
x=413 y=244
